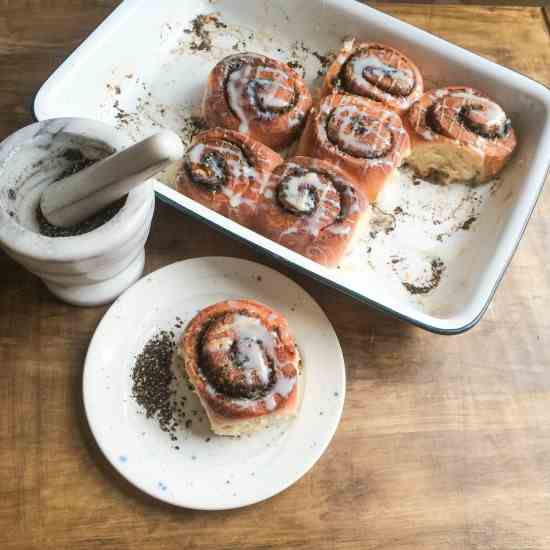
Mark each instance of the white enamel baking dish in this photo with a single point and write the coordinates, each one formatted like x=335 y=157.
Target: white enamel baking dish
x=139 y=70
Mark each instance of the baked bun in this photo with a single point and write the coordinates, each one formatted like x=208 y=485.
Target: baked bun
x=259 y=96
x=244 y=364
x=377 y=72
x=312 y=208
x=359 y=136
x=226 y=171
x=459 y=134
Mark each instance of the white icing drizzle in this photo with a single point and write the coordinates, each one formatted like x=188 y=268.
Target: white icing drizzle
x=292 y=230
x=236 y=83
x=378 y=68
x=255 y=360
x=239 y=91
x=255 y=341
x=339 y=229
x=238 y=168
x=466 y=95
x=195 y=153
x=270 y=90
x=270 y=403
x=426 y=133
x=236 y=199
x=295 y=191
x=494 y=113
x=319 y=218
x=353 y=202
x=346 y=113
x=315 y=220
x=273 y=87
x=283 y=386
x=252 y=328
x=295 y=118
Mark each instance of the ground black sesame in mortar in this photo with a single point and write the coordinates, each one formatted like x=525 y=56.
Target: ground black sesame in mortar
x=78 y=163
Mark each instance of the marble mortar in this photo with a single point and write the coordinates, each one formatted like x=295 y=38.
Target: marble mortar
x=88 y=269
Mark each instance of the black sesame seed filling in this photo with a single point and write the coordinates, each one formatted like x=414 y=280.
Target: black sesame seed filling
x=222 y=378
x=312 y=194
x=342 y=82
x=465 y=121
x=264 y=112
x=212 y=172
x=481 y=130
x=359 y=128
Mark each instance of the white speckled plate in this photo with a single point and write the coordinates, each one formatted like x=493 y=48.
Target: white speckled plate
x=200 y=470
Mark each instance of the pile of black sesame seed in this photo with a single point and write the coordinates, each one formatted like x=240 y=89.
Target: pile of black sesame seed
x=152 y=379
x=154 y=385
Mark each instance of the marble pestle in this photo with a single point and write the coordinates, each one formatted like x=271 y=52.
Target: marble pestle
x=79 y=196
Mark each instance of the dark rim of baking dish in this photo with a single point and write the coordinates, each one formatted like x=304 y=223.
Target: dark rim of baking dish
x=333 y=284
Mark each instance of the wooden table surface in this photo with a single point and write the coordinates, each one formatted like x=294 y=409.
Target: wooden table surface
x=444 y=442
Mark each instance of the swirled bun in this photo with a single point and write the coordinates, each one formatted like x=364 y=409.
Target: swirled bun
x=227 y=171
x=375 y=71
x=257 y=96
x=311 y=207
x=362 y=138
x=244 y=365
x=459 y=134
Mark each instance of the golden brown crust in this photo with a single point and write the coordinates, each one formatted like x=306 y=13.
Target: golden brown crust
x=242 y=360
x=375 y=71
x=259 y=96
x=312 y=208
x=226 y=171
x=359 y=136
x=466 y=119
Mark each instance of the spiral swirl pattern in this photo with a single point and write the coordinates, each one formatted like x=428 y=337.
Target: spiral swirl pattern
x=377 y=72
x=241 y=359
x=312 y=208
x=227 y=171
x=359 y=136
x=259 y=96
x=464 y=120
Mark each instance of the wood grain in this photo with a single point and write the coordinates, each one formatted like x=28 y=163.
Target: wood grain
x=444 y=442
